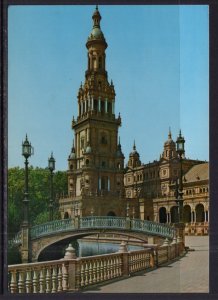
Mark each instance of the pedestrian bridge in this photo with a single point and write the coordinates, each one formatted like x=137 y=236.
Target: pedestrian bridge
x=44 y=235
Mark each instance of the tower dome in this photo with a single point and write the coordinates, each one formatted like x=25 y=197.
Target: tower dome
x=96 y=33
x=134 y=158
x=169 y=147
x=169 y=141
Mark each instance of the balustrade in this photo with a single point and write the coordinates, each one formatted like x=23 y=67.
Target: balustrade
x=77 y=273
x=42 y=277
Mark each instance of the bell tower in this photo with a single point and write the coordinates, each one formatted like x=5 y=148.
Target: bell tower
x=96 y=161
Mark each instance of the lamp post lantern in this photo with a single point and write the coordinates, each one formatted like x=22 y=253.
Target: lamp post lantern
x=51 y=166
x=27 y=151
x=180 y=149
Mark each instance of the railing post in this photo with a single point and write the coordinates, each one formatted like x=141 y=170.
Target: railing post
x=166 y=244
x=151 y=263
x=128 y=223
x=125 y=259
x=77 y=222
x=70 y=256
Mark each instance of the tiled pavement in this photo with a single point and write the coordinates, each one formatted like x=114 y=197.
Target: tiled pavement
x=190 y=274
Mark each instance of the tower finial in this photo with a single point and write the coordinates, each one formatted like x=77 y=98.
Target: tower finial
x=169 y=134
x=96 y=18
x=134 y=147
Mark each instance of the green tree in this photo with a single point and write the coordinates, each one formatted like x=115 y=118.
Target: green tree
x=39 y=196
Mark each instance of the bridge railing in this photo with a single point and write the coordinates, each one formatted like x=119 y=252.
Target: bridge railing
x=95 y=222
x=16 y=240
x=102 y=222
x=73 y=274
x=52 y=227
x=153 y=228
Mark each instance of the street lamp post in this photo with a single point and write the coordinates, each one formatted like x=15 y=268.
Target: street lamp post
x=51 y=166
x=27 y=151
x=180 y=149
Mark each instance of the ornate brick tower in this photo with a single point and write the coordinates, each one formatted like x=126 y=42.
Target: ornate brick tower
x=96 y=161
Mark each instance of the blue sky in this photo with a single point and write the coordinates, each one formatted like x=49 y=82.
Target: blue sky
x=157 y=57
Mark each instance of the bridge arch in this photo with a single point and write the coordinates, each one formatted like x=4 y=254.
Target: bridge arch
x=48 y=233
x=39 y=245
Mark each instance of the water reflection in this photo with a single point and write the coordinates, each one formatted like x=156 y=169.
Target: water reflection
x=96 y=248
x=82 y=248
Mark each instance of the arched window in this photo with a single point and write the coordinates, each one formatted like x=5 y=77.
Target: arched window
x=104 y=140
x=87 y=162
x=199 y=212
x=102 y=106
x=162 y=215
x=187 y=214
x=95 y=105
x=66 y=215
x=109 y=108
x=111 y=214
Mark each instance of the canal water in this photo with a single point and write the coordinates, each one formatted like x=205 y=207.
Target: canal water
x=96 y=248
x=83 y=248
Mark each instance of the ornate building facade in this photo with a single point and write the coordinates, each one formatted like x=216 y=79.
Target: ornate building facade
x=151 y=189
x=96 y=161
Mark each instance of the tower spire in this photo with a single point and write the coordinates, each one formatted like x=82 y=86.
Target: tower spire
x=169 y=134
x=96 y=18
x=134 y=146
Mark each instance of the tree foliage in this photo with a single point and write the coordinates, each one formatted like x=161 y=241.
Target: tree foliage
x=39 y=196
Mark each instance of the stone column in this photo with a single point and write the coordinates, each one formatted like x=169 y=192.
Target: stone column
x=85 y=107
x=113 y=107
x=205 y=216
x=109 y=184
x=194 y=216
x=106 y=106
x=99 y=104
